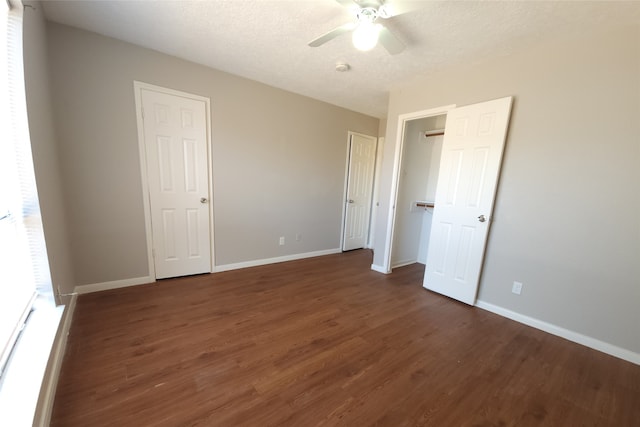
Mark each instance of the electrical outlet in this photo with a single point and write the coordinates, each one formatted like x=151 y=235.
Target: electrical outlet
x=282 y=241
x=516 y=288
x=298 y=237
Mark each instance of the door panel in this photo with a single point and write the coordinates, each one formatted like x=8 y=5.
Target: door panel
x=362 y=154
x=168 y=234
x=190 y=165
x=453 y=176
x=478 y=172
x=165 y=171
x=471 y=159
x=177 y=170
x=440 y=250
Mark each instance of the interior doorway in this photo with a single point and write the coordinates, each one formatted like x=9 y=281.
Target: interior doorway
x=411 y=125
x=417 y=183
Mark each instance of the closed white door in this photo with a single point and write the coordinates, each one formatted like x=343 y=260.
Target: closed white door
x=362 y=157
x=175 y=136
x=469 y=170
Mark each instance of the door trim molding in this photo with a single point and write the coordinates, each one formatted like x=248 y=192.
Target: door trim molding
x=395 y=176
x=137 y=89
x=346 y=185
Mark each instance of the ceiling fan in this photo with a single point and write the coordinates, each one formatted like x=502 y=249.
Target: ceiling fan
x=366 y=31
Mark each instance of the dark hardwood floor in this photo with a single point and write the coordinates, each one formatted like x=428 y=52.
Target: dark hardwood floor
x=325 y=342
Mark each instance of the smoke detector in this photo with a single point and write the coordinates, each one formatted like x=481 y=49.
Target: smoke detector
x=341 y=67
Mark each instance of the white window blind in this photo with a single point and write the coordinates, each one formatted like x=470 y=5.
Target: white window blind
x=23 y=265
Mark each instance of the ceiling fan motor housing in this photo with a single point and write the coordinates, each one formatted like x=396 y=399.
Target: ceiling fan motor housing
x=367 y=14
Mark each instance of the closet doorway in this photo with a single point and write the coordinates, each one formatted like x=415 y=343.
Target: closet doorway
x=404 y=126
x=417 y=179
x=468 y=163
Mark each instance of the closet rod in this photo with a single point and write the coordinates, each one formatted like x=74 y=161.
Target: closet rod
x=425 y=205
x=433 y=133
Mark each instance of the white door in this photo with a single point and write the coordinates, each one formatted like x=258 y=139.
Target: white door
x=469 y=169
x=375 y=193
x=362 y=158
x=175 y=137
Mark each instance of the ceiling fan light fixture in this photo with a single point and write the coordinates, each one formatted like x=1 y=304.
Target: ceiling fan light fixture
x=366 y=33
x=365 y=36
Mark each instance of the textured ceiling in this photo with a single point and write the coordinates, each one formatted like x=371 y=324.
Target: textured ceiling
x=266 y=40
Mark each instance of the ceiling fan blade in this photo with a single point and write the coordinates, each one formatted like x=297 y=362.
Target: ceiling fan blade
x=392 y=8
x=390 y=41
x=332 y=34
x=347 y=3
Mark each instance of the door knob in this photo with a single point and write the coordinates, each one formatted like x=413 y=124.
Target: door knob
x=203 y=200
x=350 y=201
x=482 y=218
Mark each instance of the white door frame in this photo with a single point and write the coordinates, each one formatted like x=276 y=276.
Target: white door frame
x=138 y=87
x=395 y=177
x=346 y=185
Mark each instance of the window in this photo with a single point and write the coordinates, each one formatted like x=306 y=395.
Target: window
x=22 y=255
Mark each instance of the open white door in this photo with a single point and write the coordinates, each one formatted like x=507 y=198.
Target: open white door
x=362 y=158
x=469 y=170
x=175 y=138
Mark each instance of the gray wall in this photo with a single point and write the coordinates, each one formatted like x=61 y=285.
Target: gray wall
x=45 y=150
x=566 y=215
x=278 y=158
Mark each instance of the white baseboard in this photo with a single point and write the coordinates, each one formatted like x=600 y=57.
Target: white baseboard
x=50 y=382
x=403 y=263
x=104 y=286
x=576 y=337
x=379 y=269
x=257 y=262
x=96 y=287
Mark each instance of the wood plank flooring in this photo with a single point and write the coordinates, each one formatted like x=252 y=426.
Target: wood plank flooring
x=325 y=342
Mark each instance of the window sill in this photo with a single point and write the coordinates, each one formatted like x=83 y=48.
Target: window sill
x=22 y=380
